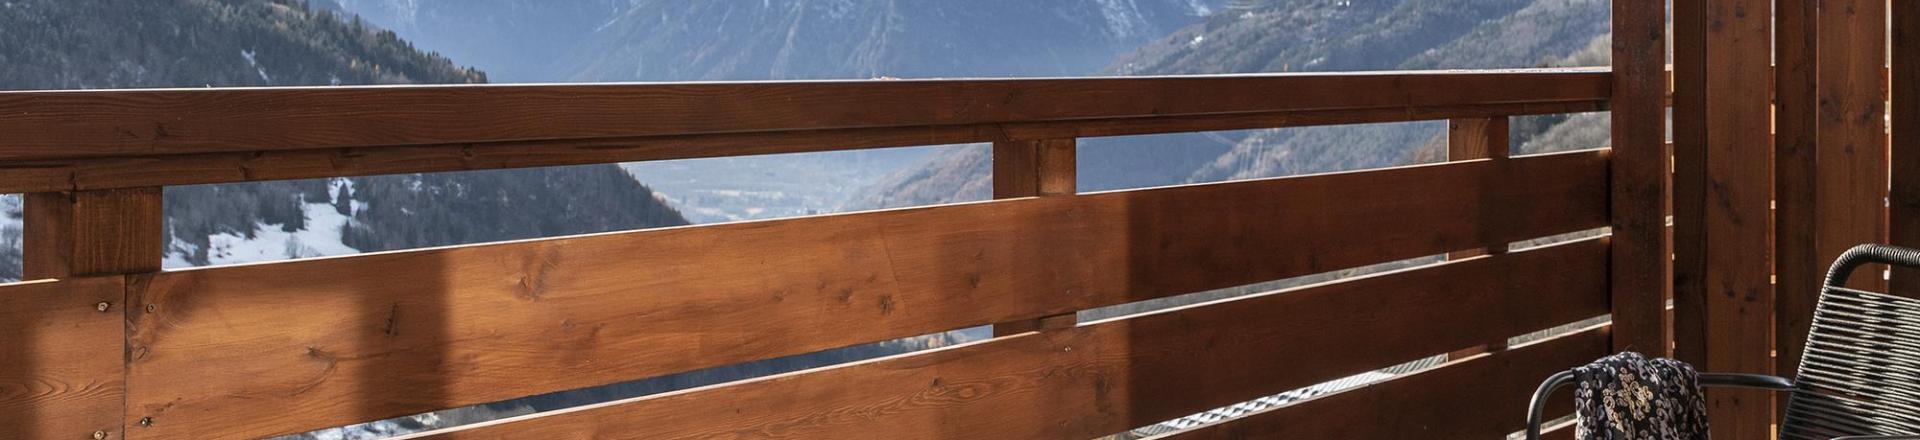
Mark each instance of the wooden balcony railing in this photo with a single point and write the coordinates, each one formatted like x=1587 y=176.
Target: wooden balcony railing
x=107 y=342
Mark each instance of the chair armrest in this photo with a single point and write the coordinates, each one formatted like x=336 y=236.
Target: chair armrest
x=1737 y=380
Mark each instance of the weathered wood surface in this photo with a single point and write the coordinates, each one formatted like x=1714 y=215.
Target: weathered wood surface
x=1724 y=203
x=1642 y=252
x=1107 y=377
x=68 y=124
x=92 y=233
x=1851 y=181
x=330 y=335
x=1904 y=206
x=61 y=370
x=1479 y=397
x=183 y=169
x=1798 y=267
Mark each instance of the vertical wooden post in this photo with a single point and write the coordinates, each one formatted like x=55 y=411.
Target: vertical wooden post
x=1722 y=138
x=1641 y=252
x=1798 y=268
x=109 y=233
x=1851 y=180
x=1040 y=168
x=88 y=233
x=1903 y=213
x=1470 y=139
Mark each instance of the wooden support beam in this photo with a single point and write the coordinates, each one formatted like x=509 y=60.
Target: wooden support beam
x=1851 y=180
x=1471 y=139
x=1904 y=207
x=1798 y=267
x=1039 y=168
x=1642 y=253
x=84 y=233
x=1722 y=117
x=62 y=374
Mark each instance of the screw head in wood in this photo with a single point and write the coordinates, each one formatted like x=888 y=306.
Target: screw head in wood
x=150 y=308
x=103 y=306
x=100 y=435
x=146 y=421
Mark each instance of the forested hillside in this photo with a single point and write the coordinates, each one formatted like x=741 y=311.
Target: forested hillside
x=67 y=44
x=1303 y=36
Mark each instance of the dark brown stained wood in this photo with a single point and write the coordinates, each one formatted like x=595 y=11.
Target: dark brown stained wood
x=185 y=169
x=1111 y=376
x=1904 y=206
x=1851 y=178
x=1798 y=268
x=1736 y=286
x=1482 y=397
x=65 y=124
x=61 y=375
x=1642 y=254
x=1471 y=139
x=476 y=324
x=1043 y=168
x=1034 y=168
x=92 y=233
x=1688 y=203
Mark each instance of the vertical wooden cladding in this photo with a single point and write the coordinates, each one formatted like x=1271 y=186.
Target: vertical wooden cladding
x=1426 y=405
x=1798 y=265
x=1722 y=122
x=1111 y=376
x=61 y=370
x=1642 y=252
x=1851 y=183
x=1904 y=203
x=243 y=343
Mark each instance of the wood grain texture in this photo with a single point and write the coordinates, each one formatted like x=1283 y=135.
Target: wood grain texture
x=1472 y=139
x=1851 y=180
x=61 y=370
x=1738 y=281
x=1798 y=268
x=476 y=324
x=93 y=233
x=1110 y=376
x=1478 y=397
x=1689 y=180
x=1904 y=203
x=185 y=169
x=1642 y=252
x=66 y=124
x=1040 y=168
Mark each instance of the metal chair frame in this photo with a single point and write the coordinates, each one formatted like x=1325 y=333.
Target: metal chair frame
x=1859 y=377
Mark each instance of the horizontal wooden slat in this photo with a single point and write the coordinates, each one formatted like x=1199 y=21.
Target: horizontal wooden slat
x=1111 y=376
x=1482 y=397
x=65 y=124
x=188 y=169
x=475 y=324
x=61 y=374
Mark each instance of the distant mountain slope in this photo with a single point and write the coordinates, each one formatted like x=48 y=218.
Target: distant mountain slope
x=1301 y=35
x=514 y=40
x=800 y=39
x=63 y=44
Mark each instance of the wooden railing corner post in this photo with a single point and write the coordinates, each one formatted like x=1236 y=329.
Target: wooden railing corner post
x=1035 y=168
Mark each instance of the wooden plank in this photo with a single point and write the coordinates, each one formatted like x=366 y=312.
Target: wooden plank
x=1851 y=180
x=1041 y=168
x=1798 y=267
x=1471 y=139
x=61 y=375
x=1689 y=177
x=1478 y=397
x=1737 y=180
x=66 y=124
x=186 y=169
x=592 y=310
x=1642 y=253
x=93 y=233
x=1115 y=375
x=1904 y=206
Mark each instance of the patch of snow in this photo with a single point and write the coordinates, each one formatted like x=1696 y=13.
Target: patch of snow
x=252 y=61
x=320 y=238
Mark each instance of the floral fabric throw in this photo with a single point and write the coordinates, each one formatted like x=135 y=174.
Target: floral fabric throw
x=1629 y=397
